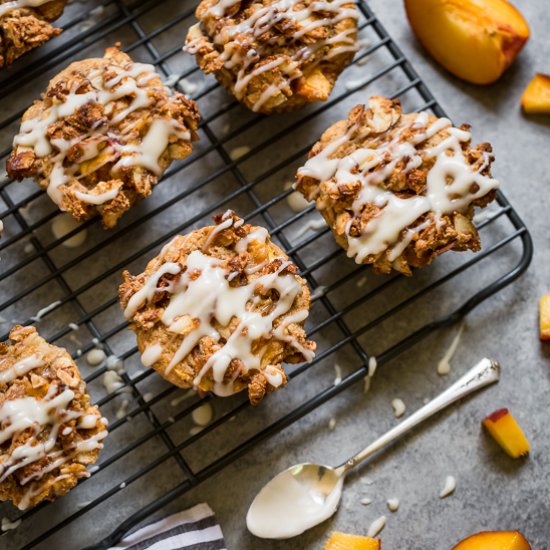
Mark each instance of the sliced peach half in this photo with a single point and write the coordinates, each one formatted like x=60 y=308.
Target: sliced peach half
x=343 y=541
x=494 y=540
x=476 y=40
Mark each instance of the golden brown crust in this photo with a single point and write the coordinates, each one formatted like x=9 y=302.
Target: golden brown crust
x=101 y=135
x=56 y=373
x=375 y=126
x=242 y=269
x=303 y=56
x=24 y=29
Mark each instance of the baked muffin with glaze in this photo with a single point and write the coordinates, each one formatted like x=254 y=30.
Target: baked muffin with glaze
x=220 y=310
x=274 y=55
x=398 y=189
x=25 y=25
x=50 y=432
x=102 y=135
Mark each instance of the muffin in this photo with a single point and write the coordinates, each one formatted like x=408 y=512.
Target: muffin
x=274 y=55
x=219 y=310
x=49 y=430
x=102 y=135
x=398 y=189
x=26 y=25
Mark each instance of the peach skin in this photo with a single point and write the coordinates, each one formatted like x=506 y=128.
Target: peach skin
x=536 y=98
x=494 y=540
x=476 y=40
x=343 y=541
x=506 y=432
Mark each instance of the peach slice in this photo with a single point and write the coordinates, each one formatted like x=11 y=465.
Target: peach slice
x=494 y=540
x=314 y=86
x=343 y=541
x=536 y=97
x=476 y=40
x=507 y=433
x=544 y=317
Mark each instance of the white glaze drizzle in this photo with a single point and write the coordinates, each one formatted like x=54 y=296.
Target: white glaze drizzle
x=399 y=407
x=64 y=224
x=151 y=355
x=113 y=362
x=372 y=366
x=310 y=225
x=203 y=415
x=130 y=81
x=8 y=525
x=18 y=415
x=45 y=311
x=233 y=39
x=99 y=198
x=449 y=487
x=112 y=381
x=6 y=7
x=122 y=410
x=337 y=375
x=444 y=365
x=393 y=504
x=95 y=357
x=366 y=384
x=296 y=200
x=20 y=368
x=376 y=526
x=209 y=297
x=88 y=421
x=225 y=223
x=391 y=227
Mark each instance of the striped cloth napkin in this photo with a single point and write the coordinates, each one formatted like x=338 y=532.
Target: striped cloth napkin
x=192 y=529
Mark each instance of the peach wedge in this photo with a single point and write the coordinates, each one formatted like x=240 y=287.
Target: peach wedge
x=343 y=541
x=507 y=433
x=476 y=40
x=544 y=317
x=536 y=97
x=494 y=540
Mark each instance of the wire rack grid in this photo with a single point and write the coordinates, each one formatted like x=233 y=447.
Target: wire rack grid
x=242 y=161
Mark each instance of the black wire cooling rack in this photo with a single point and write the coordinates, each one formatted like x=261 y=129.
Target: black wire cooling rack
x=242 y=161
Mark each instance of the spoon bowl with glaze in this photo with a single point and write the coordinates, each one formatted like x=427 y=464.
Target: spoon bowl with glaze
x=305 y=495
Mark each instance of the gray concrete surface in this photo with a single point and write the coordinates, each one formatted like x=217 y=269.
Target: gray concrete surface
x=493 y=492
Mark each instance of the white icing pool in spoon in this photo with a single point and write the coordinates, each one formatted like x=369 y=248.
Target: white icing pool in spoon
x=290 y=503
x=305 y=495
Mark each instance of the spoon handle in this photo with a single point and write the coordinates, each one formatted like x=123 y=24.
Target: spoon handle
x=486 y=372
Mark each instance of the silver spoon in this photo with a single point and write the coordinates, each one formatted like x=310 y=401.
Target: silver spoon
x=307 y=494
